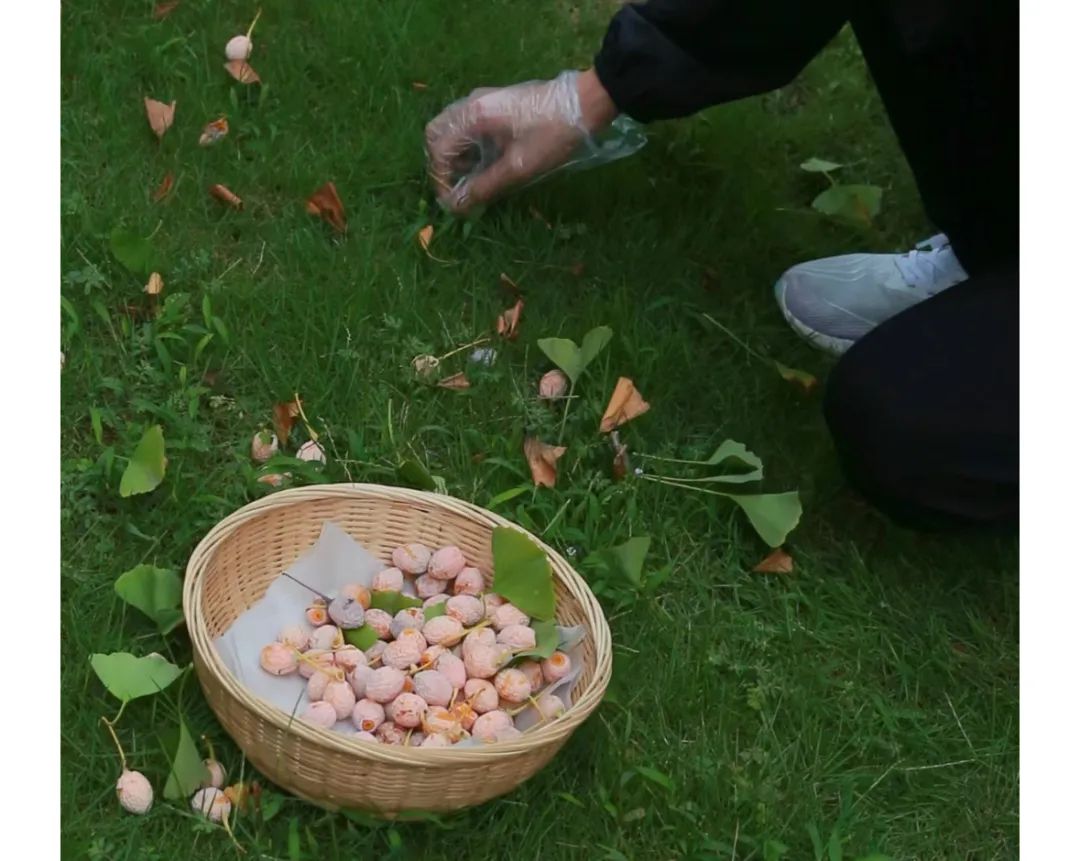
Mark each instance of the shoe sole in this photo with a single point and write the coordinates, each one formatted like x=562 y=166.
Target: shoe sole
x=828 y=343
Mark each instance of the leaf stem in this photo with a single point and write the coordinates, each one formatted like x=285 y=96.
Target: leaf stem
x=671 y=483
x=116 y=741
x=566 y=411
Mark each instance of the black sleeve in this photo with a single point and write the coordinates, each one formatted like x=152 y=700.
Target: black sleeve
x=672 y=58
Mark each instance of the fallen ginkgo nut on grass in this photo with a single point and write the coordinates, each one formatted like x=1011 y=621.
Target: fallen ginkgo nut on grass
x=134 y=792
x=264 y=445
x=238 y=48
x=212 y=803
x=312 y=452
x=215 y=774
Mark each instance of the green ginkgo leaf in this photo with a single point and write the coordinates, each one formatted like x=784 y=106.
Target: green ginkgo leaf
x=522 y=573
x=129 y=678
x=154 y=591
x=146 y=469
x=571 y=359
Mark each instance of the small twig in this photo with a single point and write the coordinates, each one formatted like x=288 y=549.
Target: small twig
x=738 y=340
x=305 y=585
x=481 y=340
x=303 y=417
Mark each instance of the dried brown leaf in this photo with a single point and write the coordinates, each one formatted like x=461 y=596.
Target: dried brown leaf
x=543 y=460
x=800 y=379
x=163 y=10
x=327 y=205
x=242 y=71
x=777 y=562
x=159 y=115
x=577 y=269
x=424 y=237
x=214 y=131
x=285 y=414
x=155 y=285
x=507 y=324
x=164 y=188
x=626 y=403
x=456 y=381
x=223 y=194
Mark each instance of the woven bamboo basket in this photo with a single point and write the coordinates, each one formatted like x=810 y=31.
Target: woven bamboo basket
x=233 y=567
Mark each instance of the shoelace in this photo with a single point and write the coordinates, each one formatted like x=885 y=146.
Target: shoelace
x=931 y=265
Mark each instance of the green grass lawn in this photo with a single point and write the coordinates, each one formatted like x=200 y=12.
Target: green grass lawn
x=868 y=703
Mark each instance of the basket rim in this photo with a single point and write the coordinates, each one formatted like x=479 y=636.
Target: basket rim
x=208 y=660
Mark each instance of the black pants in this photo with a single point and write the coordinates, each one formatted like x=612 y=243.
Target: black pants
x=924 y=409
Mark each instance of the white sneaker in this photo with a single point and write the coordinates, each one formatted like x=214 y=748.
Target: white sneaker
x=834 y=301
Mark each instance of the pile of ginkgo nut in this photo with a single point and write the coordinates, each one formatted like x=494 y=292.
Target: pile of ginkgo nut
x=425 y=682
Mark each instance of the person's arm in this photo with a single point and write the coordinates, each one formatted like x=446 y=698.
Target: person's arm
x=665 y=58
x=672 y=58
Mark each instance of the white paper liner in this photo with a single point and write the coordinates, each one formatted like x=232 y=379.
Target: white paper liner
x=334 y=561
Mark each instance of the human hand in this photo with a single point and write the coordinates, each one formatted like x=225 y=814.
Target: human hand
x=497 y=139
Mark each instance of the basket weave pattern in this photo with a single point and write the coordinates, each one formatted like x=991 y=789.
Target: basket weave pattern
x=233 y=567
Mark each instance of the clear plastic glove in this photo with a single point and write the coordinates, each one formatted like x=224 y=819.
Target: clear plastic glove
x=498 y=139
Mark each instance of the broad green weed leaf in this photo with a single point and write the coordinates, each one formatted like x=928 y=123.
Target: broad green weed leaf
x=393 y=602
x=547 y=640
x=155 y=591
x=187 y=771
x=146 y=469
x=135 y=253
x=565 y=354
x=593 y=343
x=854 y=203
x=629 y=558
x=129 y=678
x=774 y=850
x=522 y=573
x=363 y=637
x=773 y=515
x=819 y=165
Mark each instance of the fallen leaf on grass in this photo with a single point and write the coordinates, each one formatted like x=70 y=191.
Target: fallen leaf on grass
x=155 y=285
x=507 y=324
x=164 y=188
x=326 y=204
x=214 y=131
x=273 y=479
x=159 y=115
x=807 y=382
x=577 y=269
x=242 y=71
x=539 y=216
x=223 y=194
x=457 y=381
x=543 y=459
x=419 y=86
x=777 y=562
x=424 y=237
x=285 y=413
x=626 y=403
x=163 y=10
x=425 y=366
